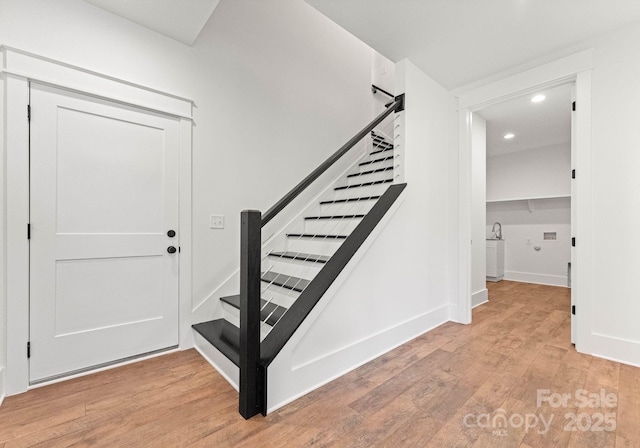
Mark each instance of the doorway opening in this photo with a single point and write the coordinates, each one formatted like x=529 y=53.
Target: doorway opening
x=522 y=211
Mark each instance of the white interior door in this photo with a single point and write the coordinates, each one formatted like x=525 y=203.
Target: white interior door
x=104 y=194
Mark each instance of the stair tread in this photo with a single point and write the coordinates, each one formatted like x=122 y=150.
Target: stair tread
x=376 y=136
x=364 y=198
x=383 y=159
x=365 y=184
x=314 y=235
x=270 y=312
x=358 y=216
x=313 y=258
x=364 y=173
x=223 y=335
x=285 y=281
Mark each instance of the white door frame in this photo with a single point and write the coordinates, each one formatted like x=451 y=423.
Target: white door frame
x=576 y=68
x=21 y=67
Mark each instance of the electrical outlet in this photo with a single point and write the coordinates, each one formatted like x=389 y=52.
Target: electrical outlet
x=216 y=222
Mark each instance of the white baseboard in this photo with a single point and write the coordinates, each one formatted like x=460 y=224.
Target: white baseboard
x=624 y=351
x=539 y=279
x=479 y=297
x=288 y=381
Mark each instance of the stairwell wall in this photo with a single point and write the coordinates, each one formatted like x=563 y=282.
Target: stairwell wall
x=402 y=287
x=277 y=88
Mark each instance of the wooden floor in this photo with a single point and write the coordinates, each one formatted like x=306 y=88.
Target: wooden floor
x=443 y=389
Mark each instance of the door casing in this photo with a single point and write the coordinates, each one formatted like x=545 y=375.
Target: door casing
x=20 y=68
x=576 y=68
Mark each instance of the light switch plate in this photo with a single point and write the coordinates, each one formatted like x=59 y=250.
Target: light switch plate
x=216 y=222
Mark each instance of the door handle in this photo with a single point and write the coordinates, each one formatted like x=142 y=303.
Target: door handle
x=171 y=233
x=171 y=250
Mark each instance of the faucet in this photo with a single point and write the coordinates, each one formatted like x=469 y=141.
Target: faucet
x=498 y=233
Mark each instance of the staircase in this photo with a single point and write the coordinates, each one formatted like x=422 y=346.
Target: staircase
x=292 y=261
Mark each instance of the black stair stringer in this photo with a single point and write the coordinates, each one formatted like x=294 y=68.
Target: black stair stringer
x=281 y=333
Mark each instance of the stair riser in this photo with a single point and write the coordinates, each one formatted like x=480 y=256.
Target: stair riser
x=300 y=269
x=347 y=208
x=330 y=226
x=280 y=296
x=375 y=166
x=371 y=190
x=313 y=245
x=383 y=175
x=232 y=315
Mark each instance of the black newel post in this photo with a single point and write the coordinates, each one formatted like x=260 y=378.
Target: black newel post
x=250 y=242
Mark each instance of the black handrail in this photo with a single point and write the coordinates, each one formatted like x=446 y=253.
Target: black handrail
x=375 y=89
x=396 y=106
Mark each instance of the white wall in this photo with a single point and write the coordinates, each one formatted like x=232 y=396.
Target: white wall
x=274 y=92
x=519 y=226
x=616 y=194
x=401 y=288
x=532 y=173
x=538 y=172
x=478 y=209
x=382 y=75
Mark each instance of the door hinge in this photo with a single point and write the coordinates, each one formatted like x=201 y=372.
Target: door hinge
x=28 y=349
x=573 y=106
x=28 y=231
x=573 y=310
x=573 y=174
x=29 y=112
x=573 y=241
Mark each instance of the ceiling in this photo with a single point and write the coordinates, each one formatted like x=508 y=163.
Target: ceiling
x=535 y=125
x=181 y=20
x=458 y=42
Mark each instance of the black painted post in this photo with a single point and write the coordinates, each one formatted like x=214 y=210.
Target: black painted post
x=250 y=242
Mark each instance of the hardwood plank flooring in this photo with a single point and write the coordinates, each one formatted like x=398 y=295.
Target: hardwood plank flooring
x=457 y=386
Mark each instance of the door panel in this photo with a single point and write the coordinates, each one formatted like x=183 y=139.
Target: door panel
x=104 y=192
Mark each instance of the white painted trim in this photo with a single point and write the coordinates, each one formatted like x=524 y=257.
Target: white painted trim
x=16 y=206
x=17 y=216
x=554 y=73
x=368 y=347
x=538 y=279
x=576 y=68
x=617 y=349
x=461 y=313
x=185 y=204
x=2 y=391
x=20 y=63
x=227 y=369
x=479 y=297
x=582 y=272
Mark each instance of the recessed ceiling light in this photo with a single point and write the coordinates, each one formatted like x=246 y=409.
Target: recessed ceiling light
x=509 y=136
x=538 y=98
